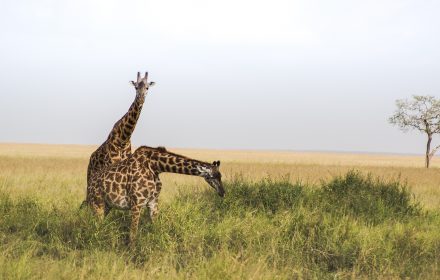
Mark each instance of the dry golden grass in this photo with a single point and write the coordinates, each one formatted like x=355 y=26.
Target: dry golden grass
x=57 y=173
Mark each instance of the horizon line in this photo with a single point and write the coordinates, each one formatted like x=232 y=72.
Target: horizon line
x=238 y=149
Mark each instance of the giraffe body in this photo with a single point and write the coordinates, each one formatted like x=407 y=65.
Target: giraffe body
x=134 y=183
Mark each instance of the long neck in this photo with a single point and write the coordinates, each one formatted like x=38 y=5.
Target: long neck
x=123 y=129
x=169 y=162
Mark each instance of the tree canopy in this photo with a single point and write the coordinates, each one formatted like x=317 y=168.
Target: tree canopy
x=421 y=113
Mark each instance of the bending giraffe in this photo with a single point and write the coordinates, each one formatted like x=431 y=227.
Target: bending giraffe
x=134 y=183
x=117 y=147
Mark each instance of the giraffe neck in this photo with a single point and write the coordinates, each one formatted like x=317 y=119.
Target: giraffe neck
x=163 y=161
x=124 y=128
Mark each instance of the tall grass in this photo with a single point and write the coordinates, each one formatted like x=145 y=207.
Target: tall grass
x=352 y=226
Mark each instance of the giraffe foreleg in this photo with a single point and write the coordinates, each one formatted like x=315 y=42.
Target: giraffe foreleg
x=98 y=205
x=99 y=210
x=106 y=210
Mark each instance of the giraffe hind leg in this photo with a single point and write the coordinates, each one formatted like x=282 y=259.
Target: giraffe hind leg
x=135 y=214
x=153 y=208
x=153 y=203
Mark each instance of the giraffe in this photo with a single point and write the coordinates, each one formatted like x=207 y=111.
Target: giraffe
x=117 y=147
x=134 y=183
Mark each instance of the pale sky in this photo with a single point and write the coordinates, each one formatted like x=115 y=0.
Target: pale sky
x=230 y=74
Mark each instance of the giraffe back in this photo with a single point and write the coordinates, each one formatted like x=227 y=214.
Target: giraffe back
x=106 y=155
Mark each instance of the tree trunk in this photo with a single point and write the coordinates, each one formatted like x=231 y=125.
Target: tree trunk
x=428 y=150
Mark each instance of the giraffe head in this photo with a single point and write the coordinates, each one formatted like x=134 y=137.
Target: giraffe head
x=142 y=85
x=214 y=178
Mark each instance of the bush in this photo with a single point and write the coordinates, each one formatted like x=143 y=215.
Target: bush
x=370 y=199
x=353 y=226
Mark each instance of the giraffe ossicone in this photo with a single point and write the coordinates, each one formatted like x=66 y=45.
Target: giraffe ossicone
x=142 y=83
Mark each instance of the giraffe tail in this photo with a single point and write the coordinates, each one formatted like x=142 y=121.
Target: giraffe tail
x=83 y=204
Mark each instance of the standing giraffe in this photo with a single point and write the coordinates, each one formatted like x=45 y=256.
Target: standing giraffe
x=134 y=183
x=117 y=147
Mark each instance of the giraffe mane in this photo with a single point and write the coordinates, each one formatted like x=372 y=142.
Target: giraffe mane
x=163 y=150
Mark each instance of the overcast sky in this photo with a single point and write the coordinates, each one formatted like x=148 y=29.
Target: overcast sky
x=296 y=75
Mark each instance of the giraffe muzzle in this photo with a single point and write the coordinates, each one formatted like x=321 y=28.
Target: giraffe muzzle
x=221 y=190
x=221 y=193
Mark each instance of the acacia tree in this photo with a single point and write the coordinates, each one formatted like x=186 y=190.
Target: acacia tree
x=421 y=113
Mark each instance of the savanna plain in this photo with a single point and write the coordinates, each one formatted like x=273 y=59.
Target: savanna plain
x=286 y=215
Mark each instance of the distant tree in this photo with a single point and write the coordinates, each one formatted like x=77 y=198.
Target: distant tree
x=421 y=113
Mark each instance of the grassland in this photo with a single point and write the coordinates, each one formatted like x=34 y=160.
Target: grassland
x=287 y=215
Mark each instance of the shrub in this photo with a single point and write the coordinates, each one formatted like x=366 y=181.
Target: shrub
x=371 y=199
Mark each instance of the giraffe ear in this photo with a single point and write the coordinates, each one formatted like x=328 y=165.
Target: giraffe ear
x=134 y=84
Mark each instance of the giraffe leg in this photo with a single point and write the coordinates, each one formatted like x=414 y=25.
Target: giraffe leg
x=135 y=214
x=153 y=207
x=99 y=210
x=106 y=210
x=153 y=203
x=98 y=206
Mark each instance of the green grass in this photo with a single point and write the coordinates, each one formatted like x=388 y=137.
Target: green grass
x=351 y=227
